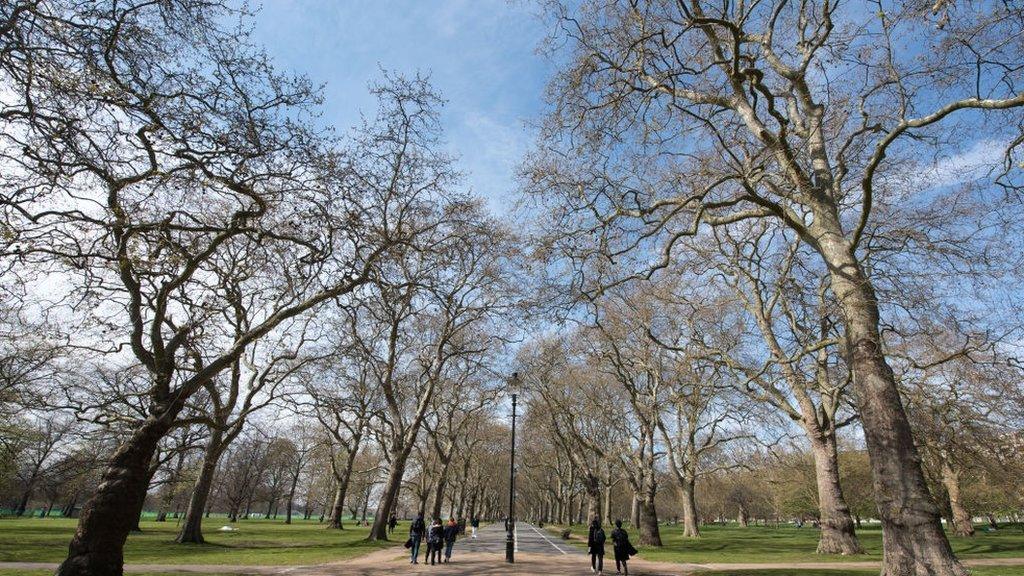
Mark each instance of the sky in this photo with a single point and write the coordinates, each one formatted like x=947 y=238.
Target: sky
x=481 y=55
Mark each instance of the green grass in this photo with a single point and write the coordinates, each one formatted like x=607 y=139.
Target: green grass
x=257 y=542
x=791 y=544
x=1000 y=571
x=50 y=573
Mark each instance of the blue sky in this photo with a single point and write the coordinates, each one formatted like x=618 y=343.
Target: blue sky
x=480 y=54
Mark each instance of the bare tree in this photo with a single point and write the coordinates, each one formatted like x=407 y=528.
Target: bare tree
x=462 y=398
x=343 y=400
x=452 y=297
x=673 y=117
x=37 y=450
x=133 y=163
x=254 y=382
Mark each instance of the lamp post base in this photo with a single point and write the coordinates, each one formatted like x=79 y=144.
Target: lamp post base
x=510 y=543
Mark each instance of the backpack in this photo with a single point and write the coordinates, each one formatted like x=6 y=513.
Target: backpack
x=599 y=537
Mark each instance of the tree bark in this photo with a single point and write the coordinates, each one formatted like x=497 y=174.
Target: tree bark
x=97 y=547
x=472 y=502
x=962 y=524
x=335 y=519
x=912 y=536
x=291 y=499
x=23 y=503
x=439 y=485
x=649 y=533
x=192 y=529
x=592 y=486
x=608 y=503
x=838 y=535
x=388 y=499
x=690 y=526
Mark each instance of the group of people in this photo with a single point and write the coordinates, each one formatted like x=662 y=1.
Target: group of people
x=438 y=537
x=620 y=545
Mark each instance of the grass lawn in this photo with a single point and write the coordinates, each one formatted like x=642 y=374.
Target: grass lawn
x=50 y=573
x=257 y=542
x=1001 y=571
x=791 y=544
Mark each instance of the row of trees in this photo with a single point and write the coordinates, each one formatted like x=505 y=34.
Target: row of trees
x=759 y=222
x=227 y=306
x=785 y=209
x=267 y=471
x=648 y=434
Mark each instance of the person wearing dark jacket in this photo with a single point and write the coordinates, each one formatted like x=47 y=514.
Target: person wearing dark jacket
x=475 y=524
x=451 y=532
x=392 y=522
x=435 y=539
x=595 y=545
x=416 y=532
x=623 y=549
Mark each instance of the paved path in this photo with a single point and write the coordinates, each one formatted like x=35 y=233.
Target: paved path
x=538 y=552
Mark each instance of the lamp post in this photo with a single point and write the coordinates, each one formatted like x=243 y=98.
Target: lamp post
x=510 y=523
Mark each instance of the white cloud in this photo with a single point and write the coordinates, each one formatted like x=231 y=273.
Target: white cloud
x=968 y=165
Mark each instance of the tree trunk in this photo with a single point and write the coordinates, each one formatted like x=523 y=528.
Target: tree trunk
x=69 y=509
x=649 y=533
x=463 y=490
x=838 y=535
x=472 y=502
x=439 y=485
x=963 y=525
x=192 y=529
x=291 y=499
x=690 y=527
x=634 y=512
x=742 y=517
x=569 y=507
x=607 y=505
x=23 y=503
x=592 y=486
x=912 y=536
x=336 y=518
x=389 y=497
x=97 y=547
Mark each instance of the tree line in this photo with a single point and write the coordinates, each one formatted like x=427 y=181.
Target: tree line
x=213 y=302
x=805 y=208
x=767 y=254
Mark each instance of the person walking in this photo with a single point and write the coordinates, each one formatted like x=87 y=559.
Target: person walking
x=392 y=523
x=434 y=540
x=474 y=523
x=622 y=547
x=595 y=545
x=416 y=533
x=451 y=532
